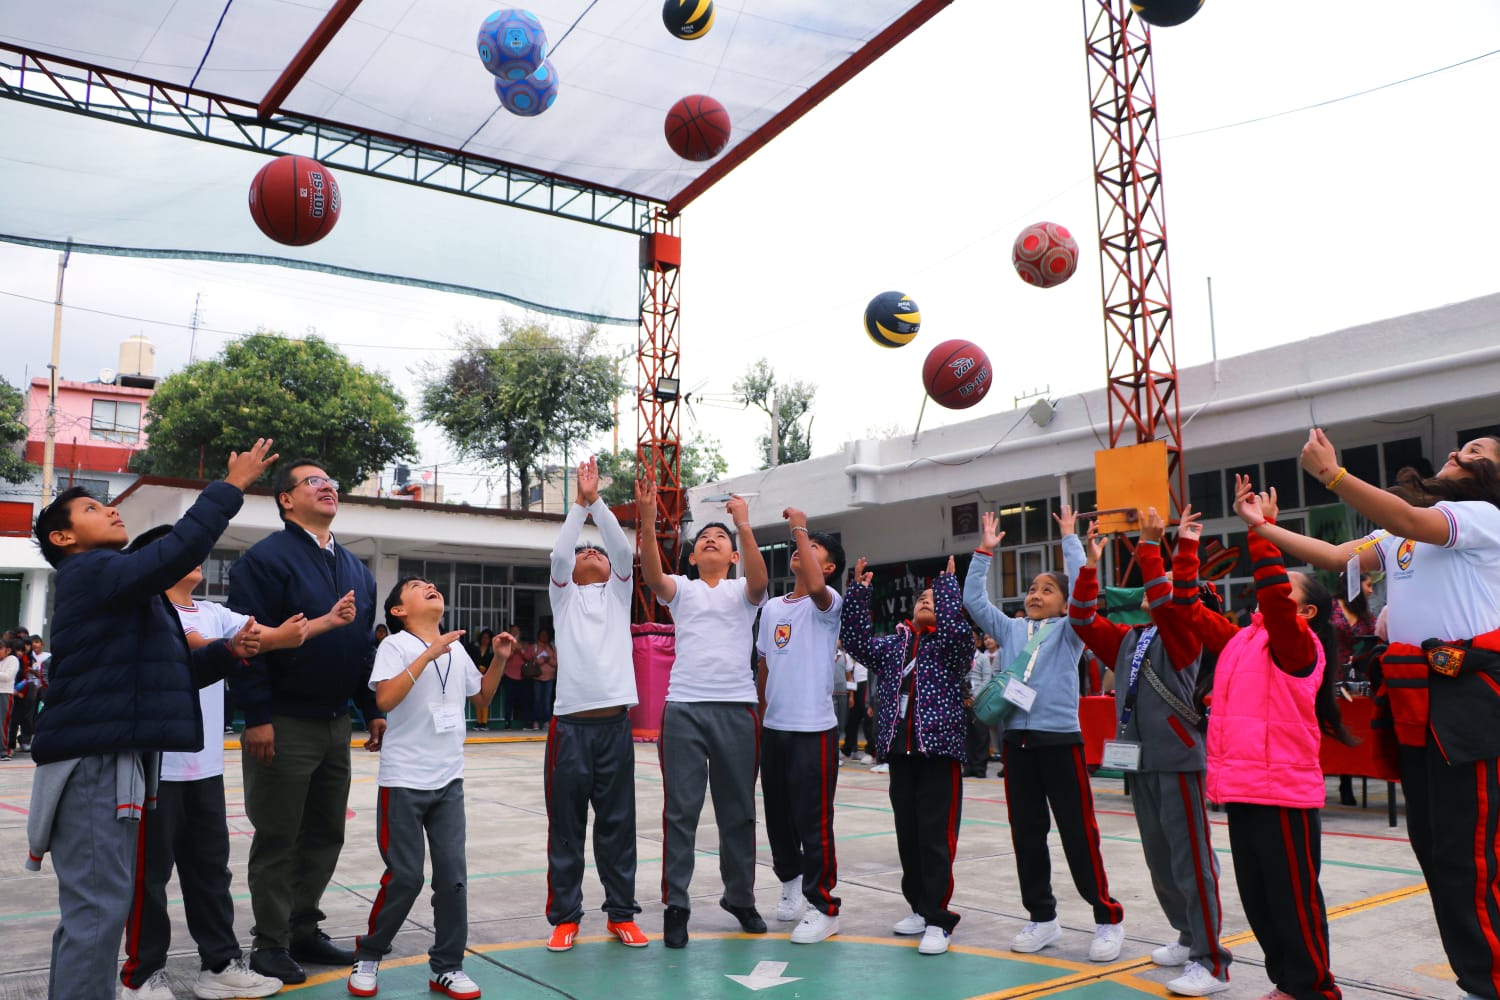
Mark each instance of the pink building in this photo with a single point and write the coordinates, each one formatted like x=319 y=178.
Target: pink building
x=99 y=425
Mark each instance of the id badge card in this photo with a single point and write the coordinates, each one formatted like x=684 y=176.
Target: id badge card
x=1019 y=694
x=446 y=718
x=1121 y=755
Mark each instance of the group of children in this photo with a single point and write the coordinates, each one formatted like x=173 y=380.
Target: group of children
x=126 y=624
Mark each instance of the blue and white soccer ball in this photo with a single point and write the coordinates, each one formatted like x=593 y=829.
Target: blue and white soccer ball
x=512 y=44
x=531 y=96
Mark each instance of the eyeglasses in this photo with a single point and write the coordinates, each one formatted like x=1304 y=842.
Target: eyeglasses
x=590 y=548
x=317 y=482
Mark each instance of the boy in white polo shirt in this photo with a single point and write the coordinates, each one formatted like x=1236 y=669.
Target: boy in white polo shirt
x=420 y=679
x=590 y=753
x=797 y=642
x=709 y=725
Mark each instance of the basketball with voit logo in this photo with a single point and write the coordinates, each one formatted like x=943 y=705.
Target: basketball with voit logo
x=892 y=319
x=1165 y=13
x=294 y=200
x=697 y=128
x=957 y=374
x=688 y=19
x=1045 y=255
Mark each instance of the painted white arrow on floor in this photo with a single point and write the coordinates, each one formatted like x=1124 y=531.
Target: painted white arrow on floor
x=764 y=976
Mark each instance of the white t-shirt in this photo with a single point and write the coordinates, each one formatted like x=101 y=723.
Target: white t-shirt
x=595 y=656
x=799 y=643
x=414 y=753
x=713 y=642
x=1445 y=591
x=10 y=665
x=211 y=621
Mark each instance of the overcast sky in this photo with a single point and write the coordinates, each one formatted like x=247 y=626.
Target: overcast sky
x=917 y=177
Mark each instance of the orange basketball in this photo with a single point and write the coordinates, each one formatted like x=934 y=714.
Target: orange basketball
x=294 y=200
x=957 y=374
x=697 y=127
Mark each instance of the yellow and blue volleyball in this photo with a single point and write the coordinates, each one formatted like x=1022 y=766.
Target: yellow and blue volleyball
x=1165 y=13
x=688 y=19
x=892 y=319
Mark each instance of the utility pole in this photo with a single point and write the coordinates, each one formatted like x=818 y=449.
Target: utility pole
x=49 y=448
x=775 y=427
x=193 y=337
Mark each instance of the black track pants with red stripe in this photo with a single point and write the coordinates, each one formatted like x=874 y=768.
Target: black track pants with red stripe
x=1465 y=867
x=798 y=776
x=927 y=799
x=1277 y=854
x=1037 y=777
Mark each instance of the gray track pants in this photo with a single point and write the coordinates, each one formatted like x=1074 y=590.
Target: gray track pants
x=713 y=745
x=590 y=762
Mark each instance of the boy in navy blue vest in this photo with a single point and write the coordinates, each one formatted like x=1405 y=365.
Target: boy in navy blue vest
x=124 y=686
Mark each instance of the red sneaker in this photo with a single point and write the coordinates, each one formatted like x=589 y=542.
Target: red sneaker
x=629 y=934
x=562 y=937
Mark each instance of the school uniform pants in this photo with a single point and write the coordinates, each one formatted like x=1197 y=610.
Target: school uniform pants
x=799 y=774
x=1464 y=867
x=590 y=762
x=6 y=702
x=93 y=856
x=1055 y=776
x=297 y=803
x=188 y=830
x=927 y=805
x=1173 y=819
x=405 y=817
x=711 y=746
x=977 y=745
x=855 y=721
x=1277 y=853
x=517 y=691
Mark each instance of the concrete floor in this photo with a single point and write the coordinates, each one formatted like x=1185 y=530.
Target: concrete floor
x=1384 y=941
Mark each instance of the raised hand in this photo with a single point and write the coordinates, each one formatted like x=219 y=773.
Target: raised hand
x=645 y=503
x=1247 y=502
x=738 y=509
x=503 y=644
x=1268 y=505
x=1191 y=525
x=795 y=518
x=1067 y=520
x=588 y=481
x=245 y=467
x=989 y=531
x=1093 y=545
x=343 y=610
x=1319 y=457
x=1153 y=528
x=246 y=642
x=444 y=642
x=949 y=570
x=861 y=575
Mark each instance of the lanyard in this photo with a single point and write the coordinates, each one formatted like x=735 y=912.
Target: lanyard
x=442 y=677
x=1138 y=658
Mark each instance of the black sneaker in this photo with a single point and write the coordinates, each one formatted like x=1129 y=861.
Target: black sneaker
x=320 y=950
x=674 y=927
x=278 y=964
x=748 y=916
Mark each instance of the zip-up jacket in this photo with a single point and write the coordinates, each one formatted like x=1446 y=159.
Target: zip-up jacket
x=943 y=657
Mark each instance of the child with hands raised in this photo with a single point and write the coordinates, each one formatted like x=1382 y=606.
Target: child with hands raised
x=1043 y=744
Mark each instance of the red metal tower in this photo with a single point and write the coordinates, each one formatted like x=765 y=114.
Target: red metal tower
x=1139 y=345
x=658 y=394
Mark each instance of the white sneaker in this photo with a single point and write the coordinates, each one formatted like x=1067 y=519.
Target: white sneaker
x=934 y=941
x=792 y=900
x=364 y=979
x=815 y=926
x=1171 y=954
x=235 y=980
x=910 y=925
x=1107 y=941
x=455 y=984
x=881 y=768
x=155 y=988
x=1196 y=981
x=865 y=758
x=1036 y=936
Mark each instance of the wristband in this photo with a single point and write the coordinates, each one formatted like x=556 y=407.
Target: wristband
x=798 y=527
x=412 y=676
x=1148 y=541
x=985 y=552
x=1333 y=483
x=742 y=525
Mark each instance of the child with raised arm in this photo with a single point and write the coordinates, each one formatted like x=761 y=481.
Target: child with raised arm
x=123 y=686
x=1043 y=745
x=590 y=754
x=710 y=731
x=1158 y=742
x=797 y=641
x=920 y=732
x=422 y=784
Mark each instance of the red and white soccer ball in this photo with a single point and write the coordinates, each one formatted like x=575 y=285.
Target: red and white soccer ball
x=1045 y=254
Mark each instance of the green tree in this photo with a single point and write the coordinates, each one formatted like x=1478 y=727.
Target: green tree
x=527 y=395
x=303 y=393
x=794 y=401
x=13 y=465
x=701 y=462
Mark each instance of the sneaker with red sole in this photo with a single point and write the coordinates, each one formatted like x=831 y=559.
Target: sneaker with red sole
x=629 y=934
x=455 y=984
x=562 y=937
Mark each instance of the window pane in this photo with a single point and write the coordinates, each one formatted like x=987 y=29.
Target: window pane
x=468 y=573
x=1253 y=471
x=1242 y=567
x=1008 y=585
x=1037 y=519
x=531 y=574
x=1284 y=474
x=1010 y=523
x=1401 y=454
x=1206 y=493
x=1031 y=565
x=128 y=417
x=1086 y=501
x=1363 y=462
x=410 y=567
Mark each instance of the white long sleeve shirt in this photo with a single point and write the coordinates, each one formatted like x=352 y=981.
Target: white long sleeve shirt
x=595 y=659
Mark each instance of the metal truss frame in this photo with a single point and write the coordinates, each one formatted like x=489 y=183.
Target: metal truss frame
x=64 y=85
x=1140 y=347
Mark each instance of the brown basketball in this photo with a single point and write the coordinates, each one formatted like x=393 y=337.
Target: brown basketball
x=294 y=200
x=697 y=127
x=957 y=374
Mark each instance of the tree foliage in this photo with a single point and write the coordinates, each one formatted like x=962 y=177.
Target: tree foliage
x=523 y=396
x=701 y=462
x=794 y=401
x=13 y=465
x=303 y=393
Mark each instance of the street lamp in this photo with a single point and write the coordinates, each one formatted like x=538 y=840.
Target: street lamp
x=667 y=389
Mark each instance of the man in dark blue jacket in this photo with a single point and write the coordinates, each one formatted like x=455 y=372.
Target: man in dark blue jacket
x=123 y=686
x=297 y=719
